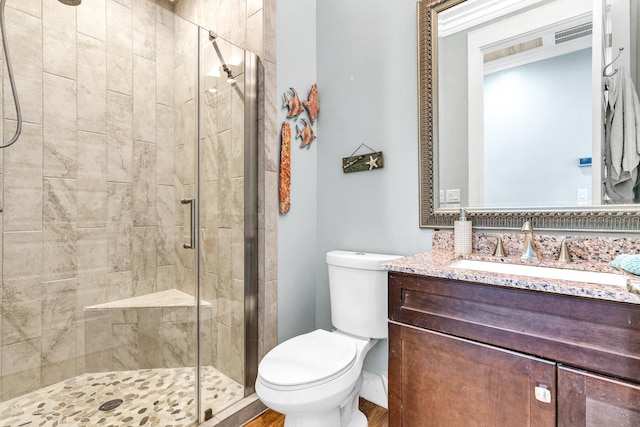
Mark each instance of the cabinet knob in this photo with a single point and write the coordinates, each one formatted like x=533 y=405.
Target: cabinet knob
x=543 y=394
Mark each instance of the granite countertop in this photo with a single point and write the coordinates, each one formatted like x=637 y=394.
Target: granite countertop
x=434 y=263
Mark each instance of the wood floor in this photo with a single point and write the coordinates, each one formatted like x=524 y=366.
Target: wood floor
x=376 y=415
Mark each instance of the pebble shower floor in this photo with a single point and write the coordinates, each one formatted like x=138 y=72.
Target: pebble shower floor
x=149 y=397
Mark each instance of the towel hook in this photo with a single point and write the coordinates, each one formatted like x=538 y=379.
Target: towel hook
x=604 y=70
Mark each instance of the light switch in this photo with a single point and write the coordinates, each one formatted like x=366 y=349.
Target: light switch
x=453 y=196
x=583 y=194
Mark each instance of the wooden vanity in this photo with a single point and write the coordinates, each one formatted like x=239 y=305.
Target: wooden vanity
x=473 y=354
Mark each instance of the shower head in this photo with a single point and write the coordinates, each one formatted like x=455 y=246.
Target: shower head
x=71 y=2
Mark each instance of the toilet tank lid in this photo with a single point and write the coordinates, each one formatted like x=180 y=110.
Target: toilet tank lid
x=361 y=260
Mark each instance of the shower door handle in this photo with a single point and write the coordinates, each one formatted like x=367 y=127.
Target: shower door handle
x=192 y=234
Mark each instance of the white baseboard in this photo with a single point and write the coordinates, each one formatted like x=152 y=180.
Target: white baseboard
x=373 y=390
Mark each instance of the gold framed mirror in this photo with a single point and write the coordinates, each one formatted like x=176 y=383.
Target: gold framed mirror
x=595 y=216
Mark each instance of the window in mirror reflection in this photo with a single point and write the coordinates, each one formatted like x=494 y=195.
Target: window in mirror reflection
x=537 y=124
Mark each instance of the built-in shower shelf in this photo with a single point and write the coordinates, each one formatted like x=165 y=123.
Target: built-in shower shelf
x=169 y=298
x=156 y=330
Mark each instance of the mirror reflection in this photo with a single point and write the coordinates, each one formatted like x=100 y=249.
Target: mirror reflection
x=527 y=110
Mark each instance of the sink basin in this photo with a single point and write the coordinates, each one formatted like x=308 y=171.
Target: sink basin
x=543 y=272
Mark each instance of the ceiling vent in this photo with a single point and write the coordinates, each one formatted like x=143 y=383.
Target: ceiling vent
x=582 y=30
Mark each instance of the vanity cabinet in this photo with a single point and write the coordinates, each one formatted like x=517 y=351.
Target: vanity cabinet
x=468 y=354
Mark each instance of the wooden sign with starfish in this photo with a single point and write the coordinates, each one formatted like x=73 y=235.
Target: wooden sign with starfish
x=363 y=162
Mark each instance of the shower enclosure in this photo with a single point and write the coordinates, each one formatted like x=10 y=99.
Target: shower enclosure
x=129 y=221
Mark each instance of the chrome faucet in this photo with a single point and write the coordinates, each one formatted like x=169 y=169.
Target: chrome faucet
x=529 y=252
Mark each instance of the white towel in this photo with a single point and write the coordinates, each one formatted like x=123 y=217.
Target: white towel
x=622 y=146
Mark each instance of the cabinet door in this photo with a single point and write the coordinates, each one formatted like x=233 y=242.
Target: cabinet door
x=586 y=399
x=439 y=380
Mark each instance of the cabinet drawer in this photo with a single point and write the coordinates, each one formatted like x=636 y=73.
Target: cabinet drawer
x=596 y=335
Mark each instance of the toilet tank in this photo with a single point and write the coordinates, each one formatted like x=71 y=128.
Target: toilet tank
x=358 y=292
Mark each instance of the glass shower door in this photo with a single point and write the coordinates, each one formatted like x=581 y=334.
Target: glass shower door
x=228 y=226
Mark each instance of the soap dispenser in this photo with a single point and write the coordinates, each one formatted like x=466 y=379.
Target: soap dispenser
x=463 y=234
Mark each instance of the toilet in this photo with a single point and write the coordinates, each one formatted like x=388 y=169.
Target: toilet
x=314 y=379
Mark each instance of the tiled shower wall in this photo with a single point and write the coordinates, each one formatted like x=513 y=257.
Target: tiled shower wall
x=88 y=190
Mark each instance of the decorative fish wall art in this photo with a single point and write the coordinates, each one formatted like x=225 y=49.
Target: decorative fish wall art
x=312 y=105
x=294 y=104
x=305 y=133
x=284 y=184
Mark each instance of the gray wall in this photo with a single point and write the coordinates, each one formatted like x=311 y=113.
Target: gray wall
x=452 y=119
x=366 y=61
x=296 y=58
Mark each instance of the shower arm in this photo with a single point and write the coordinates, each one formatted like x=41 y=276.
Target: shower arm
x=213 y=37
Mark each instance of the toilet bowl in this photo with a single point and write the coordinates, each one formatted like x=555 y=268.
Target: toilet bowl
x=315 y=379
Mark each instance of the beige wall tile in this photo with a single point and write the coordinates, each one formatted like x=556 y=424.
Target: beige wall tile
x=125 y=347
x=60 y=127
x=271 y=128
x=126 y=3
x=98 y=340
x=150 y=338
x=92 y=19
x=144 y=260
x=165 y=145
x=27 y=66
x=59 y=229
x=237 y=35
x=32 y=7
x=20 y=368
x=166 y=278
x=119 y=48
x=255 y=30
x=144 y=99
x=144 y=28
x=59 y=336
x=92 y=250
x=59 y=39
x=92 y=85
x=144 y=184
x=119 y=285
x=164 y=13
x=22 y=256
x=23 y=180
x=21 y=310
x=92 y=180
x=178 y=347
x=167 y=241
x=237 y=136
x=165 y=64
x=119 y=137
x=253 y=6
x=223 y=21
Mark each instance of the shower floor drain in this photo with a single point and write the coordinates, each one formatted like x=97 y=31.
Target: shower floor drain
x=110 y=405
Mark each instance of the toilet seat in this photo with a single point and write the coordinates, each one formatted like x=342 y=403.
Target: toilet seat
x=308 y=360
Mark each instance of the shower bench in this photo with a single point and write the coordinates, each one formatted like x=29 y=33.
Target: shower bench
x=156 y=330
